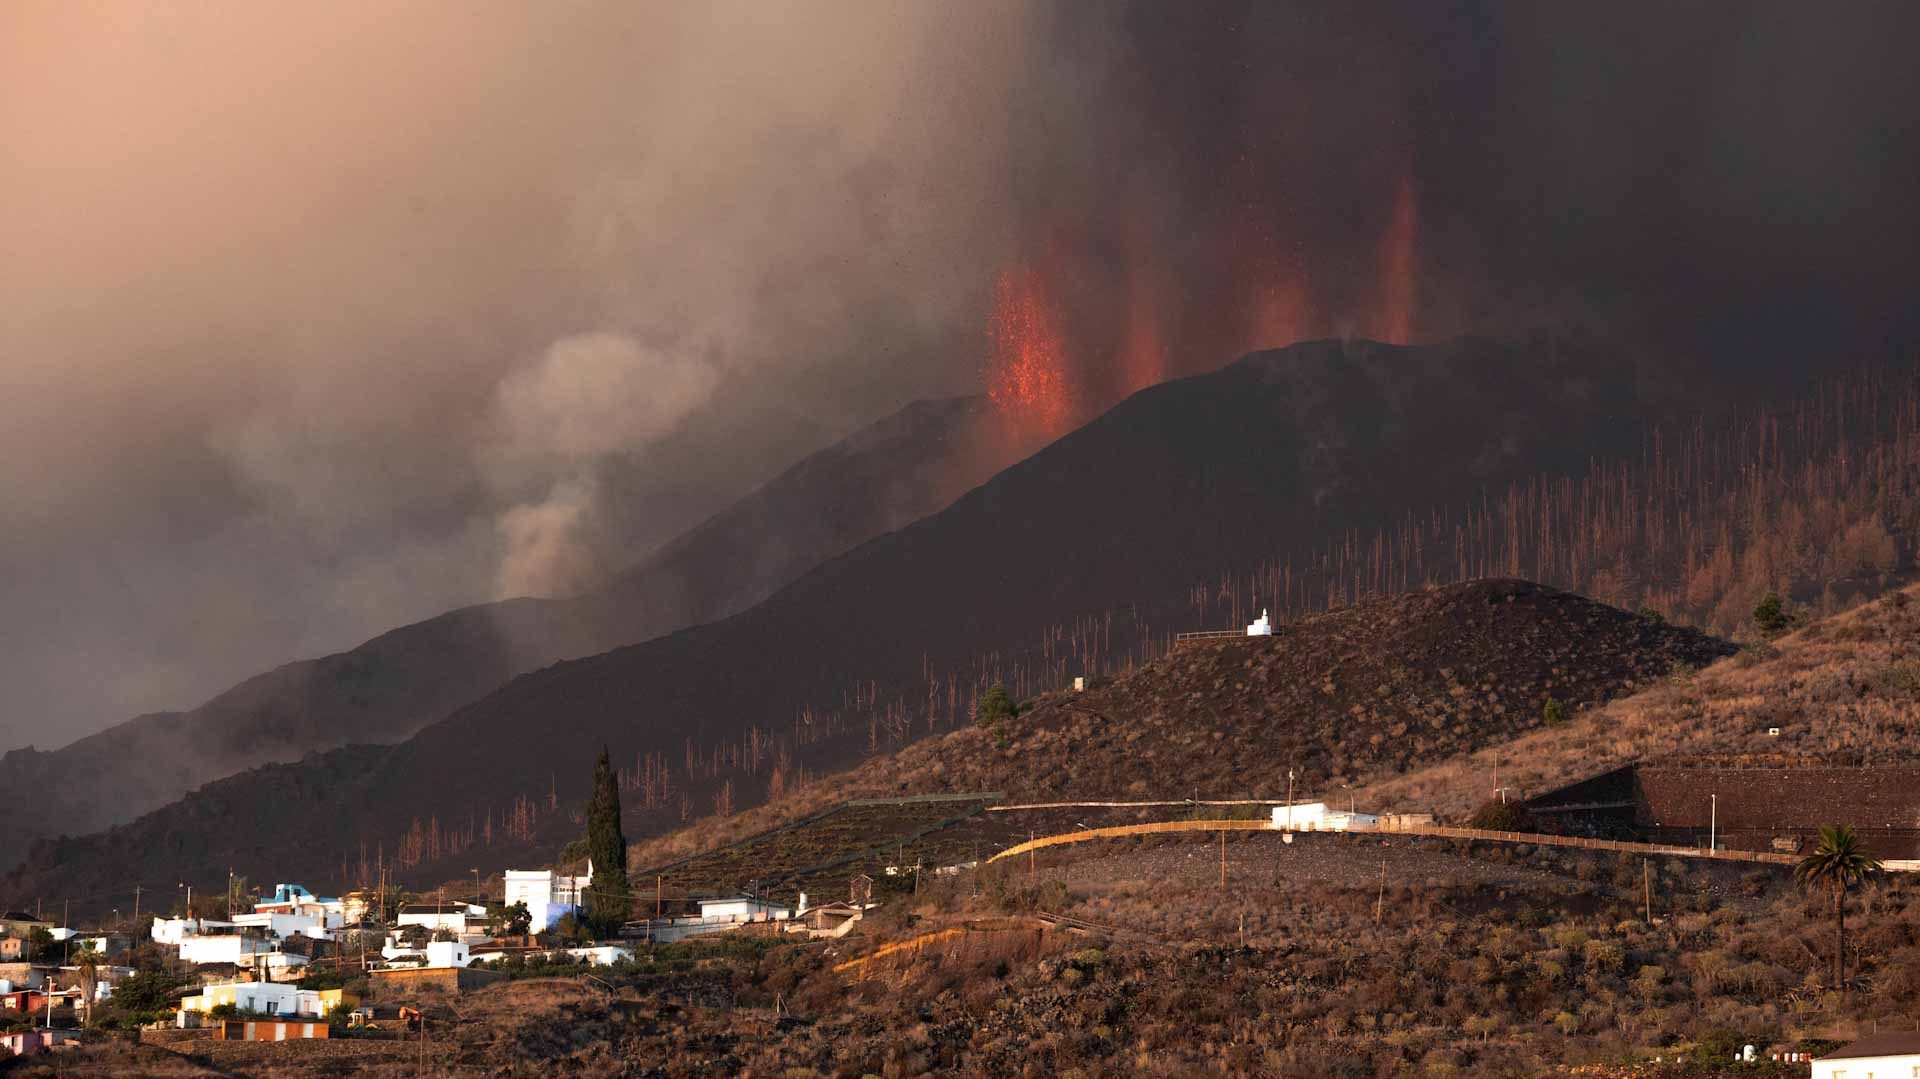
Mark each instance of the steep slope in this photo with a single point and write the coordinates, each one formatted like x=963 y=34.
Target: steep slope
x=896 y=471
x=1844 y=690
x=1281 y=450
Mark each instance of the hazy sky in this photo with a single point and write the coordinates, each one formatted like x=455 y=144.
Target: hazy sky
x=320 y=318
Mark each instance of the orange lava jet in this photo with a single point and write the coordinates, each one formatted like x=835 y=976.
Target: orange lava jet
x=1277 y=314
x=1026 y=369
x=1144 y=355
x=1396 y=269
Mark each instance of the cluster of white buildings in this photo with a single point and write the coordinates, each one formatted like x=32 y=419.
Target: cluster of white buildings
x=258 y=940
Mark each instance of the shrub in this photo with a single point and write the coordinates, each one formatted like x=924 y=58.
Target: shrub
x=1554 y=713
x=995 y=708
x=1495 y=815
x=1770 y=616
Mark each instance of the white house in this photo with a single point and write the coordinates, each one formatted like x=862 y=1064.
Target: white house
x=453 y=917
x=437 y=954
x=283 y=925
x=1316 y=817
x=1303 y=816
x=549 y=896
x=174 y=930
x=742 y=908
x=602 y=955
x=268 y=998
x=295 y=899
x=1261 y=627
x=717 y=915
x=1882 y=1056
x=229 y=947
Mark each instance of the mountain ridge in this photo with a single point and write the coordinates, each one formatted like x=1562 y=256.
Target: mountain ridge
x=383 y=690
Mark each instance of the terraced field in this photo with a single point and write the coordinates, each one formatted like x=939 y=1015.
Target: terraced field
x=826 y=849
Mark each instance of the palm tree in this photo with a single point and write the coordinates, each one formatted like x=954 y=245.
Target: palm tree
x=1838 y=863
x=88 y=960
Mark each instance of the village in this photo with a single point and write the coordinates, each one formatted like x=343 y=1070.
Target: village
x=276 y=968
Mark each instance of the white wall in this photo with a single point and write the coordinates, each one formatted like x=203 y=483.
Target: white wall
x=286 y=925
x=1896 y=1067
x=456 y=922
x=173 y=930
x=229 y=948
x=1302 y=815
x=741 y=910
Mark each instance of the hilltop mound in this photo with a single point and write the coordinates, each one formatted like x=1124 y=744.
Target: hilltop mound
x=1347 y=697
x=1371 y=689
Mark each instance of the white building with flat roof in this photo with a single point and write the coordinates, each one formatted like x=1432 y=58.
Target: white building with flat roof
x=174 y=930
x=266 y=998
x=452 y=917
x=549 y=896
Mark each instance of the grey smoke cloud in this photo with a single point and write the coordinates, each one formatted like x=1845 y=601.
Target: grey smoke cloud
x=588 y=397
x=323 y=318
x=320 y=318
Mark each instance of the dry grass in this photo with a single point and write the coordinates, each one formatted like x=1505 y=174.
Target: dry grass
x=1843 y=690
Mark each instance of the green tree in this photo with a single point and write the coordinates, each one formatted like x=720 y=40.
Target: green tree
x=513 y=921
x=148 y=993
x=995 y=710
x=1838 y=863
x=89 y=961
x=1554 y=713
x=608 y=895
x=1770 y=615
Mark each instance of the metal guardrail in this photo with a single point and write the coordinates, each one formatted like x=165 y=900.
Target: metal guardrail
x=1209 y=635
x=1278 y=803
x=1435 y=830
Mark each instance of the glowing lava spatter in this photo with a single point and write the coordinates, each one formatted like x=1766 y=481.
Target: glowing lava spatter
x=1026 y=369
x=1144 y=354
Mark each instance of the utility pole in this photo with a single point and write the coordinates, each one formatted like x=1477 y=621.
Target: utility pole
x=1223 y=859
x=1380 y=904
x=66 y=923
x=136 y=909
x=657 y=878
x=1713 y=822
x=1646 y=885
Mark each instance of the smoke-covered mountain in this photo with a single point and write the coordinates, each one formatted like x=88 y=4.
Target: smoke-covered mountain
x=1280 y=452
x=896 y=471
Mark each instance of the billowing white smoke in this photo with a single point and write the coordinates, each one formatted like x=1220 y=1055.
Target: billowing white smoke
x=589 y=398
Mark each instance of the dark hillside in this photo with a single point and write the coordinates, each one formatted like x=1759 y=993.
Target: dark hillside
x=1341 y=698
x=1348 y=698
x=1281 y=450
x=898 y=470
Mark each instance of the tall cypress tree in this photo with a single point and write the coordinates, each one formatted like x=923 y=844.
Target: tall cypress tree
x=608 y=897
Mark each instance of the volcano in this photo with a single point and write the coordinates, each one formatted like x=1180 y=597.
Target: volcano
x=1282 y=450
